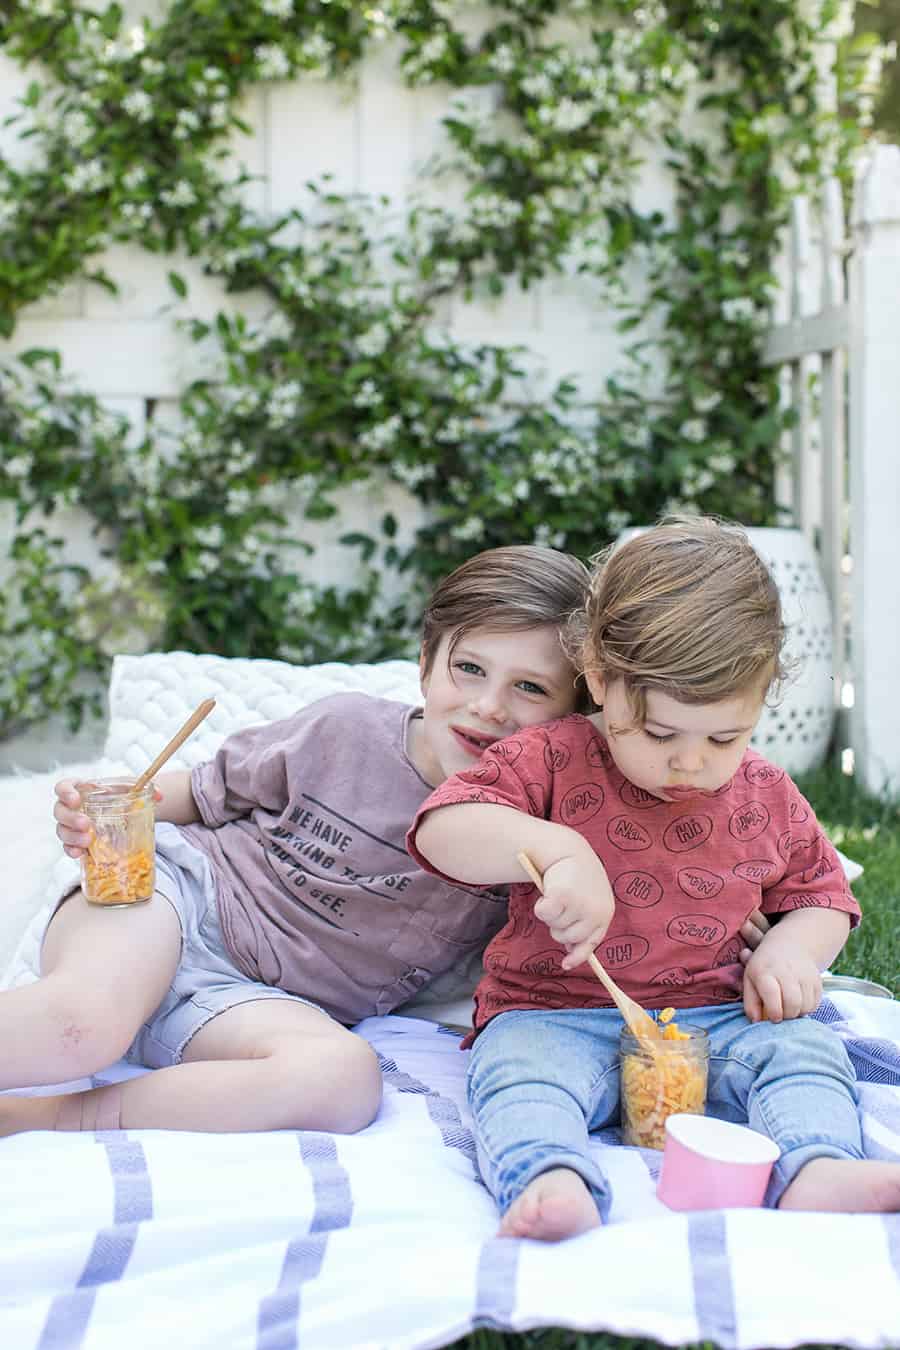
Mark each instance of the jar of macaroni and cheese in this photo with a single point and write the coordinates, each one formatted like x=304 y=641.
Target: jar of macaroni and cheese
x=659 y=1077
x=118 y=867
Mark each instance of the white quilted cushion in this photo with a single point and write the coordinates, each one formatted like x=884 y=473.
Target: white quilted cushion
x=150 y=697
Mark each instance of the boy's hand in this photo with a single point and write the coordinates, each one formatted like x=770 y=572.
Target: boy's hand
x=73 y=829
x=577 y=906
x=780 y=982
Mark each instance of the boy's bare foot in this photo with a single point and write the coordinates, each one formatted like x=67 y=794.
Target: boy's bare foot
x=556 y=1205
x=845 y=1186
x=18 y=1114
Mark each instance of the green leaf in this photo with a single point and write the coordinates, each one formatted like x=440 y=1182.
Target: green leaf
x=178 y=284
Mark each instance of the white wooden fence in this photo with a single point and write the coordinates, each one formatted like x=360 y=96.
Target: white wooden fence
x=840 y=346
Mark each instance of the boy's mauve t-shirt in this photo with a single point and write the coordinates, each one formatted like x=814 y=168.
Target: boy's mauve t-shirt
x=304 y=826
x=685 y=874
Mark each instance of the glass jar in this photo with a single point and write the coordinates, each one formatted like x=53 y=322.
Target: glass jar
x=658 y=1078
x=118 y=867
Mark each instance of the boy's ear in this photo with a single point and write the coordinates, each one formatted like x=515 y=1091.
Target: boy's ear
x=597 y=686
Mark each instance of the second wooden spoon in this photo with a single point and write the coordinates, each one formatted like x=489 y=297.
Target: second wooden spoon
x=639 y=1022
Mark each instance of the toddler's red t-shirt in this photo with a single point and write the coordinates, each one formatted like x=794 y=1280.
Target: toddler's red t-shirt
x=685 y=874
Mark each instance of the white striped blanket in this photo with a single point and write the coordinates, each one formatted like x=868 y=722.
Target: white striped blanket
x=150 y=1239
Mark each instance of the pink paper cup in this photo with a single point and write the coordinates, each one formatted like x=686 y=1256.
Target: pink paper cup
x=713 y=1164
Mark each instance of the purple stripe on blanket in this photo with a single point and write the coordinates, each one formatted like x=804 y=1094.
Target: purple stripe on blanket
x=874 y=1058
x=713 y=1294
x=278 y=1319
x=69 y=1314
x=443 y=1111
x=495 y=1293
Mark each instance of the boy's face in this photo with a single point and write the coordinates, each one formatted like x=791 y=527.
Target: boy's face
x=683 y=750
x=494 y=684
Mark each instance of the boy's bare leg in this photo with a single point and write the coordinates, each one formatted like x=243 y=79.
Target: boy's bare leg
x=102 y=974
x=265 y=1065
x=845 y=1186
x=556 y=1205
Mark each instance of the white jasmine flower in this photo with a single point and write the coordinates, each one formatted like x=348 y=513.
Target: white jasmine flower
x=139 y=105
x=210 y=536
x=367 y=395
x=134 y=178
x=693 y=430
x=617 y=521
x=639 y=437
x=567 y=115
x=87 y=177
x=317 y=49
x=382 y=435
x=473 y=528
x=137 y=38
x=19 y=466
x=273 y=62
x=707 y=402
x=277 y=9
x=503 y=59
x=374 y=340
x=741 y=310
x=180 y=195
x=187 y=119
x=44 y=9
x=76 y=127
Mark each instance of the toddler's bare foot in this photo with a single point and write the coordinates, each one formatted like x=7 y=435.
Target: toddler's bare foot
x=845 y=1186
x=556 y=1205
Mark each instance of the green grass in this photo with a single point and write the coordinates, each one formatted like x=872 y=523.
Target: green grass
x=868 y=831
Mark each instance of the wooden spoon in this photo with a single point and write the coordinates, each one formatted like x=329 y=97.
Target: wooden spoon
x=638 y=1021
x=180 y=736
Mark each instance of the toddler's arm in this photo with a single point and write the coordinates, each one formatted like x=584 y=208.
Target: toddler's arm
x=782 y=978
x=174 y=803
x=478 y=842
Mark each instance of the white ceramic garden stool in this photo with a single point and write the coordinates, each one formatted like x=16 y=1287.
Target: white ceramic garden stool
x=795 y=733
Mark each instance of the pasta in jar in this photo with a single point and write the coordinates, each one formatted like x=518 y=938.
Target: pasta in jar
x=118 y=867
x=661 y=1077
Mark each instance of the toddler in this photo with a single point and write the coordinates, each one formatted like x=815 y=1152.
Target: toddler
x=657 y=831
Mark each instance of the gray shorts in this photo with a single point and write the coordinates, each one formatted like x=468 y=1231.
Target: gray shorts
x=207 y=982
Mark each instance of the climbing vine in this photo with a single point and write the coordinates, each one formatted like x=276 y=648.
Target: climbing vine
x=346 y=375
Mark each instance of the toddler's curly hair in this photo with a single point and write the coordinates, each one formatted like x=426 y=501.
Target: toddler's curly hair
x=687 y=607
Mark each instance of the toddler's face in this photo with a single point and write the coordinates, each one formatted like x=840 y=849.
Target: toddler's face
x=494 y=684
x=683 y=750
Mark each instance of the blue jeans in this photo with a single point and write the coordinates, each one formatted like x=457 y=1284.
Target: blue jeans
x=539 y=1082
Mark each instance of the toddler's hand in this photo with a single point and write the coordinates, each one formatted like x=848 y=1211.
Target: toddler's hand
x=577 y=906
x=780 y=984
x=753 y=930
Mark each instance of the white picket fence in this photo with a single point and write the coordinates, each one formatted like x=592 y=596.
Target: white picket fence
x=840 y=347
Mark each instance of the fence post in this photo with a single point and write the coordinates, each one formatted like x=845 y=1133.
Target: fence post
x=875 y=470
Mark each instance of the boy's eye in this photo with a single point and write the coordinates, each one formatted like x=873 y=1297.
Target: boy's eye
x=731 y=740
x=531 y=688
x=661 y=740
x=468 y=667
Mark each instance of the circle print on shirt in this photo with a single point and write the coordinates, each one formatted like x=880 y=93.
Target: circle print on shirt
x=687 y=832
x=640 y=889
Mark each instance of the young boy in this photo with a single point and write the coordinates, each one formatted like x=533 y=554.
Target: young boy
x=287 y=907
x=657 y=831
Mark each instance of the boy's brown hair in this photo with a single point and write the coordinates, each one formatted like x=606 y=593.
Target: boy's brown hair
x=507 y=590
x=688 y=608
